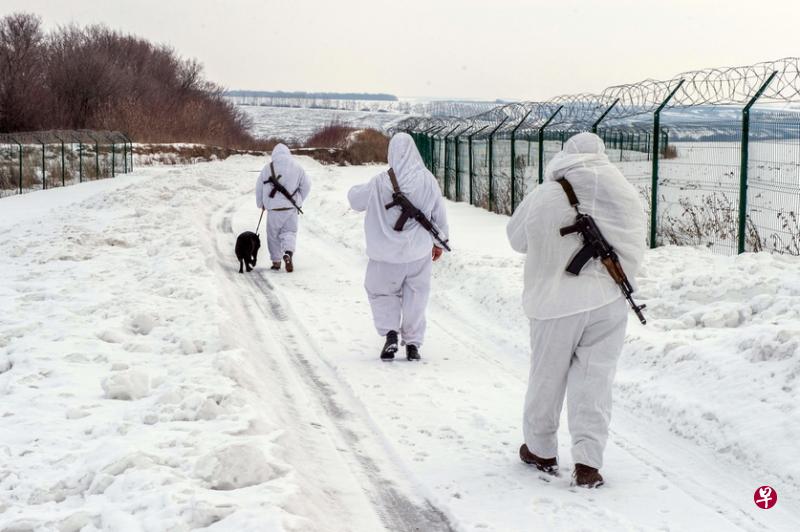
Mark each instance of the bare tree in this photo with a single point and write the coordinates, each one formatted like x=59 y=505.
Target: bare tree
x=21 y=75
x=95 y=77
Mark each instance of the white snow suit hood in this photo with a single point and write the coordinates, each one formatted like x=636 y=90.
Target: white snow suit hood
x=292 y=177
x=606 y=195
x=419 y=186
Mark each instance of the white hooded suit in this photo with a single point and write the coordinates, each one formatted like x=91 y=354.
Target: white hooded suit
x=399 y=270
x=281 y=215
x=577 y=322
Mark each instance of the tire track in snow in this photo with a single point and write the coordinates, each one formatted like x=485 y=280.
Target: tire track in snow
x=396 y=510
x=716 y=489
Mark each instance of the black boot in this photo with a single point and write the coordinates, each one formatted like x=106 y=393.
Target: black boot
x=412 y=352
x=390 y=347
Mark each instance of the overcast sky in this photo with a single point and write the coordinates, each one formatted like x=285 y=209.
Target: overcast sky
x=515 y=49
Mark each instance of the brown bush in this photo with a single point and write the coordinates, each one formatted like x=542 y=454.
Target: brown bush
x=669 y=152
x=368 y=146
x=333 y=135
x=339 y=144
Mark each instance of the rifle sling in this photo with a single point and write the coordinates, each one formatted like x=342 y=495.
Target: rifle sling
x=570 y=192
x=586 y=252
x=393 y=179
x=404 y=214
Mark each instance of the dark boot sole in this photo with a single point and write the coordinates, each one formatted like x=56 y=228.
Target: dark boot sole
x=548 y=469
x=289 y=265
x=587 y=486
x=387 y=355
x=552 y=471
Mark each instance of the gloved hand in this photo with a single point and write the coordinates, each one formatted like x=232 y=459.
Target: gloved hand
x=436 y=253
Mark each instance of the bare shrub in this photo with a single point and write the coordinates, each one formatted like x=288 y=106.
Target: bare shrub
x=339 y=144
x=711 y=220
x=789 y=242
x=368 y=146
x=669 y=152
x=333 y=135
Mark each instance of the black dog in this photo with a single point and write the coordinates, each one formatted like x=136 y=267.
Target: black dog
x=247 y=246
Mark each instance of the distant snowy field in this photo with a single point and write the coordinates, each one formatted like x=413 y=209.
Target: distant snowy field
x=147 y=386
x=297 y=124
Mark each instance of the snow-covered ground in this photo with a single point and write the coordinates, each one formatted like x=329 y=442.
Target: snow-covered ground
x=297 y=124
x=146 y=385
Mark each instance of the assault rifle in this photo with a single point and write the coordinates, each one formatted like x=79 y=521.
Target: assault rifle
x=596 y=246
x=410 y=211
x=277 y=187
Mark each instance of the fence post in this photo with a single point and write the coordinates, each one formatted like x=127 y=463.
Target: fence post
x=514 y=161
x=44 y=167
x=423 y=142
x=19 y=145
x=130 y=150
x=446 y=163
x=491 y=164
x=431 y=141
x=745 y=158
x=113 y=159
x=80 y=161
x=434 y=150
x=124 y=154
x=458 y=179
x=654 y=182
x=471 y=167
x=63 y=170
x=602 y=116
x=541 y=143
x=423 y=139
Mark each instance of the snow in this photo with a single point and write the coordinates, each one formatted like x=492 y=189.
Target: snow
x=146 y=385
x=298 y=124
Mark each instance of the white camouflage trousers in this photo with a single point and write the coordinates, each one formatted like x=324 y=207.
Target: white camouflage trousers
x=281 y=233
x=398 y=296
x=578 y=355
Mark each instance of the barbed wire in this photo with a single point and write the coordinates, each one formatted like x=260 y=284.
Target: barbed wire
x=710 y=86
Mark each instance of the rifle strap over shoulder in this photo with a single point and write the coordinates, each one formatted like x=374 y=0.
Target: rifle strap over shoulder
x=393 y=178
x=570 y=192
x=272 y=170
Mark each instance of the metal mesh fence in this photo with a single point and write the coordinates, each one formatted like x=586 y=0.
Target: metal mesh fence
x=698 y=185
x=48 y=159
x=712 y=169
x=773 y=191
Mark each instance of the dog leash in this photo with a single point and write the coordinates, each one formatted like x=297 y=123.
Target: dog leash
x=259 y=220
